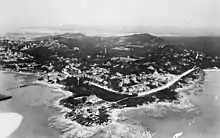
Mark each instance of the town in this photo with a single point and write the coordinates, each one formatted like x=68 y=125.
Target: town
x=109 y=68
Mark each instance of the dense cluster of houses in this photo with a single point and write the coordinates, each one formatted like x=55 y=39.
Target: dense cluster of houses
x=100 y=73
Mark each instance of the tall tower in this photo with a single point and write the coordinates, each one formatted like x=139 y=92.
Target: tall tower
x=78 y=80
x=105 y=50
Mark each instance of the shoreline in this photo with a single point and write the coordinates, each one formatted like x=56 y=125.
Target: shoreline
x=20 y=72
x=211 y=69
x=71 y=128
x=183 y=100
x=59 y=122
x=34 y=103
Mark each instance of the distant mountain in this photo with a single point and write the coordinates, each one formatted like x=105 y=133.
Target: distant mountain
x=123 y=30
x=25 y=35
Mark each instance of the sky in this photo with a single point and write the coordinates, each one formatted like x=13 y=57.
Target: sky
x=203 y=14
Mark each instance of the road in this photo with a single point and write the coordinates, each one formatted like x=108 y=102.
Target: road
x=166 y=85
x=152 y=90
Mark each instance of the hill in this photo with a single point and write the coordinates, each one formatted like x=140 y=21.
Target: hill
x=209 y=45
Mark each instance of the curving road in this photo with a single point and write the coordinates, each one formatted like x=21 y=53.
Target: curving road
x=168 y=84
x=149 y=91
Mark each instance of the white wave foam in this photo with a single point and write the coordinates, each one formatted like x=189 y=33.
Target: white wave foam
x=71 y=128
x=118 y=129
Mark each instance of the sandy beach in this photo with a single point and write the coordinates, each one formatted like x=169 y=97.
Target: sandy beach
x=34 y=103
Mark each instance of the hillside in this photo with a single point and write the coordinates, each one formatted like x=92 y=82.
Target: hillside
x=208 y=45
x=134 y=52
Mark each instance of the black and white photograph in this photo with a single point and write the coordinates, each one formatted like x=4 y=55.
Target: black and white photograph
x=109 y=69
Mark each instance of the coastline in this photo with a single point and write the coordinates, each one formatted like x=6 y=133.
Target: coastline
x=196 y=116
x=182 y=102
x=62 y=89
x=34 y=103
x=70 y=128
x=20 y=72
x=211 y=69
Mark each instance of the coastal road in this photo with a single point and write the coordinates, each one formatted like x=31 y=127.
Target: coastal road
x=168 y=84
x=149 y=91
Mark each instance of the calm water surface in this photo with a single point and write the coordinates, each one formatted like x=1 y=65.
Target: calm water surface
x=34 y=103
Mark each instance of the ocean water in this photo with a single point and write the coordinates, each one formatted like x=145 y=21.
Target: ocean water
x=34 y=103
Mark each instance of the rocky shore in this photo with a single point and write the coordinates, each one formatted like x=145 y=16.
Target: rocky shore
x=71 y=127
x=87 y=123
